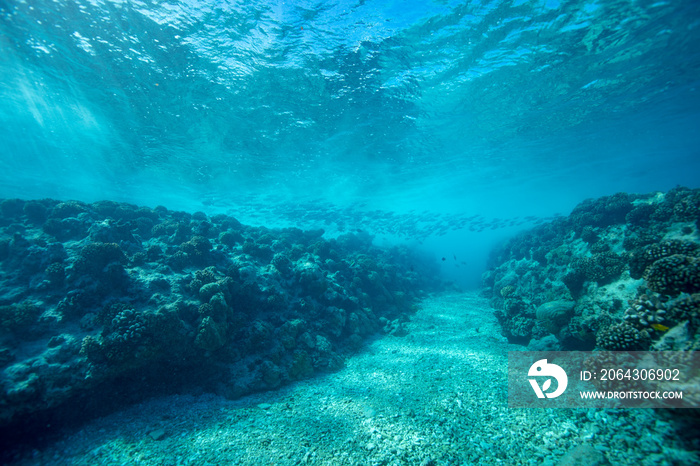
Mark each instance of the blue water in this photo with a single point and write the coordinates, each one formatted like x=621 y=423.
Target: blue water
x=499 y=109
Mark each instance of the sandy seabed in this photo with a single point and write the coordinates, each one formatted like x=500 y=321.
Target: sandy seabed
x=435 y=397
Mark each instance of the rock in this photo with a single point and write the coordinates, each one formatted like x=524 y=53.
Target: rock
x=583 y=455
x=548 y=343
x=555 y=314
x=555 y=310
x=158 y=434
x=264 y=406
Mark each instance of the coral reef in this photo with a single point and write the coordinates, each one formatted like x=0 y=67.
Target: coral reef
x=686 y=308
x=627 y=248
x=623 y=337
x=645 y=257
x=151 y=300
x=645 y=311
x=674 y=274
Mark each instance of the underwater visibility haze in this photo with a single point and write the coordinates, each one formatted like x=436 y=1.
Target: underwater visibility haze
x=261 y=186
x=502 y=108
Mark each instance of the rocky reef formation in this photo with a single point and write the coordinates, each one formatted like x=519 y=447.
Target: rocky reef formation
x=107 y=302
x=620 y=273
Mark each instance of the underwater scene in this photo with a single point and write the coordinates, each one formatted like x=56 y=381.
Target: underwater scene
x=332 y=232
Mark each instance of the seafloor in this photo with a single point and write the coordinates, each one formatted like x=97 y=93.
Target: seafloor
x=434 y=397
x=131 y=335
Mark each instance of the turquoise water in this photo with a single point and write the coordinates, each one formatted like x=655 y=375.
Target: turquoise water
x=492 y=108
x=500 y=109
x=443 y=128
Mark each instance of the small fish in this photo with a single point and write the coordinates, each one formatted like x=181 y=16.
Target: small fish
x=443 y=259
x=659 y=327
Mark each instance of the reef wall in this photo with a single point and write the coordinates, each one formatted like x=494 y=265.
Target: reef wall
x=107 y=302
x=620 y=273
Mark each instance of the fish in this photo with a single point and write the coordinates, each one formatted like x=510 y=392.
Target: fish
x=659 y=327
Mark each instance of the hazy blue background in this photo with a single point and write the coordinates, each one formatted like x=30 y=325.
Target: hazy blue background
x=503 y=109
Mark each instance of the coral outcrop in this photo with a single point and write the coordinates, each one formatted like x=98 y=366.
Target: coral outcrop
x=103 y=303
x=628 y=264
